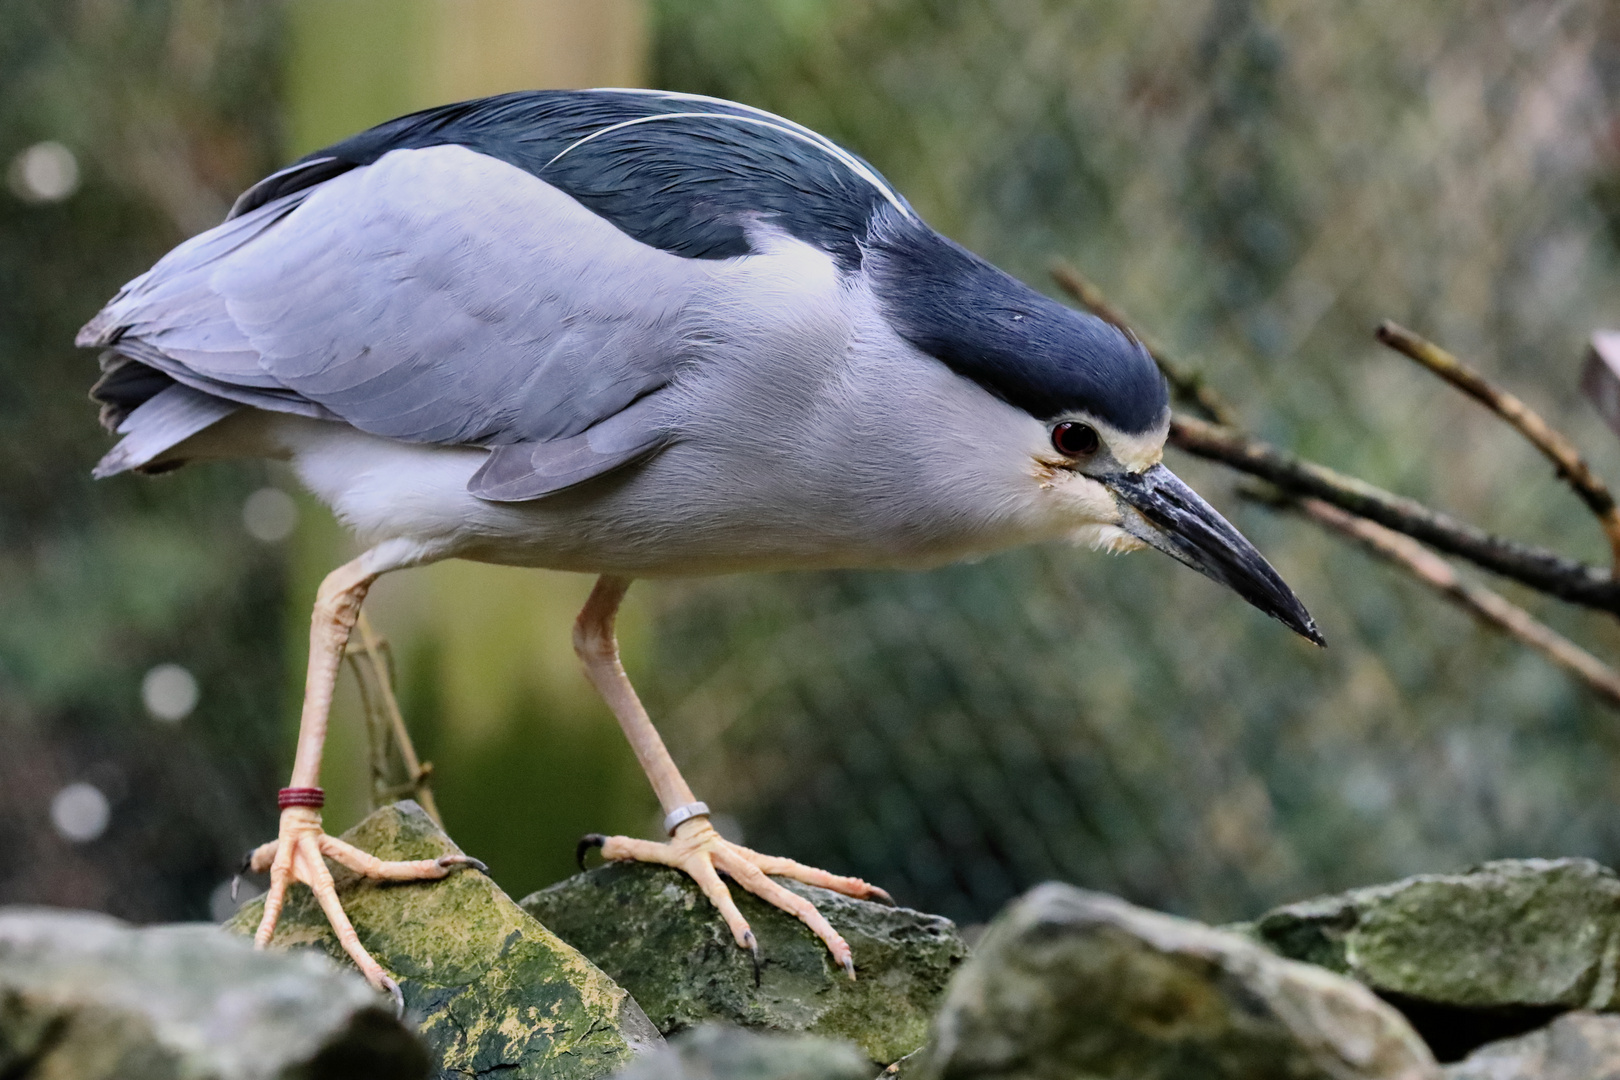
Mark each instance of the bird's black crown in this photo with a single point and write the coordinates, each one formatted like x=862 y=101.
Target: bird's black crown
x=988 y=326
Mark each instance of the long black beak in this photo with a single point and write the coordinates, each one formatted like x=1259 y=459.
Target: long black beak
x=1158 y=509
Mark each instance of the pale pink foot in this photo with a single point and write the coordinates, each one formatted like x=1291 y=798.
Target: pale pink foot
x=297 y=855
x=703 y=855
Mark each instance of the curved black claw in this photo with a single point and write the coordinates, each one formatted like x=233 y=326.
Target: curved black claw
x=882 y=896
x=399 y=999
x=586 y=842
x=242 y=867
x=755 y=953
x=463 y=860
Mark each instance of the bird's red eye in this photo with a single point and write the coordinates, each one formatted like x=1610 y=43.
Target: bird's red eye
x=1075 y=440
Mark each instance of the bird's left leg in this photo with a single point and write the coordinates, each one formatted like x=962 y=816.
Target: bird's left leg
x=299 y=853
x=694 y=846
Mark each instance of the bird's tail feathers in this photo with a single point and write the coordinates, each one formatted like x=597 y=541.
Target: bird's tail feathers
x=125 y=385
x=160 y=423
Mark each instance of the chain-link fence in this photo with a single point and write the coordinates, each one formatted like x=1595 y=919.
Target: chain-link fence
x=1258 y=184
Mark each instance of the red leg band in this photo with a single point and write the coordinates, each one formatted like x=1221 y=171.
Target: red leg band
x=301 y=796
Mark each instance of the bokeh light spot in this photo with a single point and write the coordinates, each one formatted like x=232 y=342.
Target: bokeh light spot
x=169 y=693
x=270 y=515
x=80 y=812
x=46 y=172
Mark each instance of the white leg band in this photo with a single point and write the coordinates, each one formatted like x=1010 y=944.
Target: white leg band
x=684 y=813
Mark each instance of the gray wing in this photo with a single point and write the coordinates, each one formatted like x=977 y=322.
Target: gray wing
x=437 y=295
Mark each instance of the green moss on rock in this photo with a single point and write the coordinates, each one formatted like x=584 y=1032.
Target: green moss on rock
x=1508 y=934
x=653 y=931
x=489 y=989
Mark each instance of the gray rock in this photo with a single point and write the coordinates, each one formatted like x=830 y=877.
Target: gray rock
x=721 y=1052
x=1576 y=1046
x=1533 y=933
x=1070 y=983
x=489 y=988
x=653 y=931
x=86 y=997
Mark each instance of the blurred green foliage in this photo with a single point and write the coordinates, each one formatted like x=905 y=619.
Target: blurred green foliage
x=164 y=108
x=1258 y=183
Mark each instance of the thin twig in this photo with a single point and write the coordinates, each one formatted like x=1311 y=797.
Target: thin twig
x=1188 y=386
x=1553 y=444
x=1488 y=606
x=1537 y=567
x=417 y=772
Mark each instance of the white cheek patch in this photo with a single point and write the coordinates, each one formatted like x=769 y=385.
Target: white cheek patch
x=1084 y=500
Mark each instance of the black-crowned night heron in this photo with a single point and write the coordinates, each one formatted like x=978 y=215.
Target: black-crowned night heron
x=635 y=334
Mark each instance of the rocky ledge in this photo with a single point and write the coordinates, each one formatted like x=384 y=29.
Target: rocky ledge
x=1505 y=972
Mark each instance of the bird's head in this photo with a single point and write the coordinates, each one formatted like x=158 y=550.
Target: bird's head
x=1098 y=405
x=1112 y=483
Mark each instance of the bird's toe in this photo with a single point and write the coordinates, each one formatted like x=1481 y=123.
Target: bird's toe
x=450 y=862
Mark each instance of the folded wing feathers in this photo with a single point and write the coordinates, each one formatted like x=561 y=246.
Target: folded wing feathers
x=425 y=281
x=383 y=305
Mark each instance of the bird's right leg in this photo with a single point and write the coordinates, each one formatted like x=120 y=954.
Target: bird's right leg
x=299 y=851
x=694 y=846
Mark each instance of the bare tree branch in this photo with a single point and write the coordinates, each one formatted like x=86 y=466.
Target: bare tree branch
x=1377 y=519
x=1553 y=444
x=1489 y=607
x=1541 y=569
x=1188 y=386
x=1537 y=567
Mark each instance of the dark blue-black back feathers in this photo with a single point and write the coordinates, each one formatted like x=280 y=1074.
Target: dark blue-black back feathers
x=682 y=173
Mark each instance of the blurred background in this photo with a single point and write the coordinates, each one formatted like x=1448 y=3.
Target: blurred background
x=1257 y=182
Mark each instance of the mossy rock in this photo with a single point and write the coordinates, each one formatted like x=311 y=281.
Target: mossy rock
x=655 y=933
x=487 y=987
x=1510 y=934
x=1070 y=983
